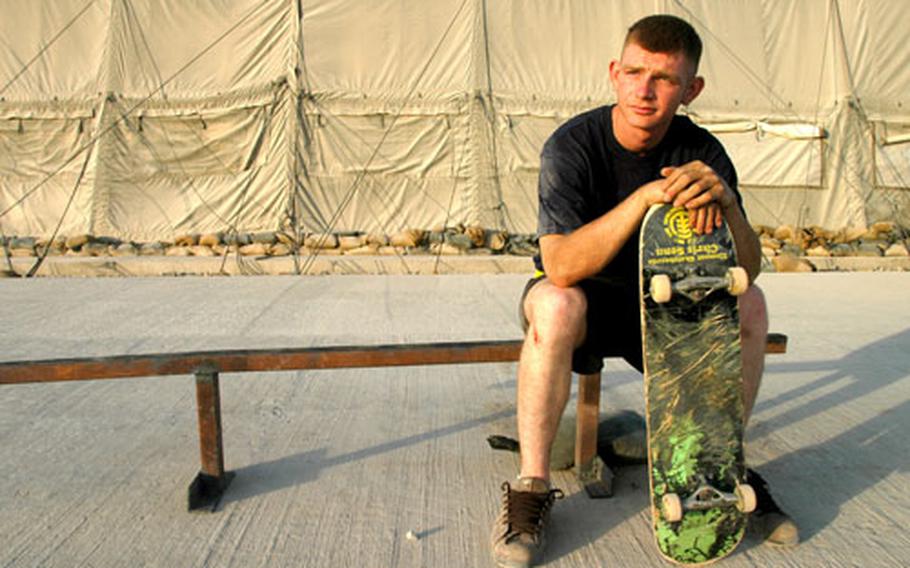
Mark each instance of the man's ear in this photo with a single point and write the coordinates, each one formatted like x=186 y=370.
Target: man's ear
x=614 y=71
x=694 y=89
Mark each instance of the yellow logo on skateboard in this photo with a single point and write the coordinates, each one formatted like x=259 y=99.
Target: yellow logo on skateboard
x=676 y=225
x=687 y=247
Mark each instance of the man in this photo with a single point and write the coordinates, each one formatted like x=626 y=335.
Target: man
x=600 y=172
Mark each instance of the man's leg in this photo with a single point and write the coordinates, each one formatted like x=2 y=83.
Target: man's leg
x=769 y=520
x=556 y=318
x=753 y=317
x=556 y=326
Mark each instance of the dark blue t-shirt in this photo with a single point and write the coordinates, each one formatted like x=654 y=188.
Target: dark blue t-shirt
x=585 y=172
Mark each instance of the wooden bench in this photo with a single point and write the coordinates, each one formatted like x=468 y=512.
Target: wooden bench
x=206 y=489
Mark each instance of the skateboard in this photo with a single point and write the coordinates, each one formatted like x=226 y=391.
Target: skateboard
x=693 y=387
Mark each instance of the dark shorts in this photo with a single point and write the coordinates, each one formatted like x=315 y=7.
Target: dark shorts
x=614 y=324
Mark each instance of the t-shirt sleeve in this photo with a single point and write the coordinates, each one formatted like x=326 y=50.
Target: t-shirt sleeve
x=560 y=191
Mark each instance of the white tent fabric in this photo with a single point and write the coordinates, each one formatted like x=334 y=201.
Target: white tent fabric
x=145 y=119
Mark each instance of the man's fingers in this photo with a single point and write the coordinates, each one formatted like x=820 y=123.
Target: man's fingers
x=701 y=214
x=704 y=220
x=681 y=187
x=693 y=197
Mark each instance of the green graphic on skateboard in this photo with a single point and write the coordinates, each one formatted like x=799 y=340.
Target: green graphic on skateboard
x=693 y=387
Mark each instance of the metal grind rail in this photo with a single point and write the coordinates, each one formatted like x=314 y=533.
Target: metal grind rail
x=209 y=485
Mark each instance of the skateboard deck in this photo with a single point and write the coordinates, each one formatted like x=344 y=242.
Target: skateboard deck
x=693 y=387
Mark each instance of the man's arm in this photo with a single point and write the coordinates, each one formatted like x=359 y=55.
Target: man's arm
x=568 y=259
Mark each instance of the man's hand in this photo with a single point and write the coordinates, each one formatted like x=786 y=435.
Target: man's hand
x=699 y=189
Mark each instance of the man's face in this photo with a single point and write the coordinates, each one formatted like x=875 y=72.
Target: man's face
x=650 y=87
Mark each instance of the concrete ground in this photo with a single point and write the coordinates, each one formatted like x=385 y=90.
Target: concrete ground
x=335 y=467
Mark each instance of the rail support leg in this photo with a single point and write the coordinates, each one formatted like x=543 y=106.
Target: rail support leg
x=592 y=472
x=209 y=485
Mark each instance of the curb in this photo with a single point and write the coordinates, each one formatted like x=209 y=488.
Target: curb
x=145 y=266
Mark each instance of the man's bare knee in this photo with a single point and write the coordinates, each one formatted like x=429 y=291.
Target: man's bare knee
x=555 y=313
x=753 y=314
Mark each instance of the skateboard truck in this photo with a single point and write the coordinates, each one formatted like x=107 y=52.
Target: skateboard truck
x=697 y=287
x=706 y=496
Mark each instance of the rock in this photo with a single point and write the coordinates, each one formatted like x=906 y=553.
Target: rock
x=267 y=238
x=239 y=239
x=763 y=230
x=365 y=250
x=202 y=250
x=57 y=245
x=186 y=240
x=286 y=239
x=350 y=243
x=897 y=249
x=110 y=241
x=307 y=252
x=819 y=232
x=884 y=227
x=125 y=249
x=498 y=241
x=842 y=249
x=445 y=249
x=410 y=238
x=523 y=245
x=178 y=251
x=792 y=249
x=770 y=242
x=321 y=241
x=460 y=241
x=786 y=262
x=477 y=235
x=868 y=250
x=95 y=249
x=850 y=234
x=280 y=249
x=151 y=249
x=786 y=233
x=23 y=243
x=210 y=239
x=377 y=239
x=816 y=236
x=818 y=251
x=81 y=251
x=254 y=249
x=77 y=241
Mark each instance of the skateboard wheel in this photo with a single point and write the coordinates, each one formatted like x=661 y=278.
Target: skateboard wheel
x=737 y=280
x=672 y=507
x=747 y=498
x=661 y=288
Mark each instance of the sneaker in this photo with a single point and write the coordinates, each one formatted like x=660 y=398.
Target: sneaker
x=519 y=534
x=774 y=525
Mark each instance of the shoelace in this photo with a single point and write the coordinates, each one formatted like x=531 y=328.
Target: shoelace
x=526 y=510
